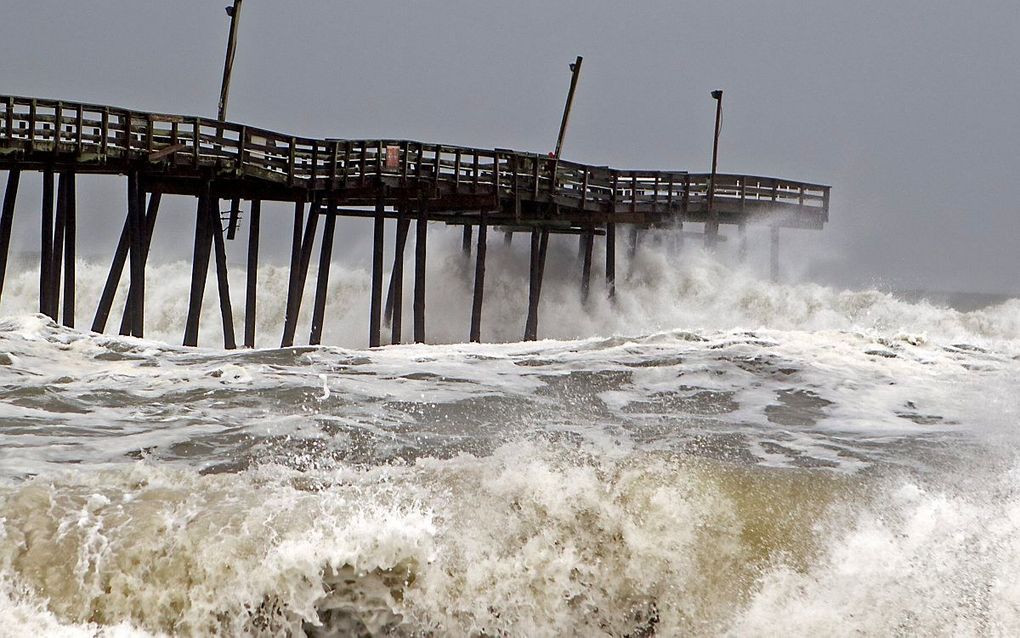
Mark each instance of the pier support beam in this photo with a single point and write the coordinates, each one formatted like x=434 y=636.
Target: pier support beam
x=120 y=257
x=539 y=246
x=150 y=224
x=134 y=311
x=375 y=311
x=479 y=291
x=298 y=278
x=70 y=244
x=251 y=283
x=421 y=239
x=611 y=260
x=199 y=266
x=395 y=296
x=587 y=244
x=774 y=253
x=222 y=283
x=466 y=241
x=7 y=221
x=57 y=250
x=46 y=246
x=322 y=278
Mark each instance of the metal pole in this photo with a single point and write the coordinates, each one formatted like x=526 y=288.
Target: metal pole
x=712 y=227
x=575 y=70
x=228 y=63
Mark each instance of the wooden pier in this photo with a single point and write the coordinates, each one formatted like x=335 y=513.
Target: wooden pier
x=404 y=180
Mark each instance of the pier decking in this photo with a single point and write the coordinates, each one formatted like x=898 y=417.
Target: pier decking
x=408 y=181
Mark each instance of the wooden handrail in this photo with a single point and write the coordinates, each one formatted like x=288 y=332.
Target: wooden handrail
x=108 y=132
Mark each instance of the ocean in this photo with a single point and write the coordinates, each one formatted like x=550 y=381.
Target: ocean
x=711 y=454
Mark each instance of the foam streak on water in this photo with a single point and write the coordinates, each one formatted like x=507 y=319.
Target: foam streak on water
x=715 y=456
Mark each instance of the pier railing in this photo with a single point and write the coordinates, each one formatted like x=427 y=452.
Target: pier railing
x=109 y=137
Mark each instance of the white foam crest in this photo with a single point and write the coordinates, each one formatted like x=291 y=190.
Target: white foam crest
x=660 y=290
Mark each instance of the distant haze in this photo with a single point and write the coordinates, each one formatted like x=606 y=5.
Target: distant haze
x=909 y=109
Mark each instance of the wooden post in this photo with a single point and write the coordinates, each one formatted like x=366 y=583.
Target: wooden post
x=322 y=279
x=46 y=244
x=57 y=265
x=120 y=257
x=235 y=213
x=611 y=260
x=420 y=249
x=199 y=266
x=7 y=221
x=587 y=244
x=251 y=283
x=298 y=282
x=295 y=263
x=148 y=227
x=134 y=310
x=508 y=238
x=775 y=253
x=375 y=311
x=476 y=301
x=395 y=296
x=222 y=283
x=742 y=250
x=466 y=241
x=70 y=239
x=539 y=244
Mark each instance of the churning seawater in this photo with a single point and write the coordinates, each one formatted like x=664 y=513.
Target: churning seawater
x=715 y=455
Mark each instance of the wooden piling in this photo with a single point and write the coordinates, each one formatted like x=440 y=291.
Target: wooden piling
x=235 y=213
x=587 y=244
x=222 y=283
x=133 y=322
x=46 y=243
x=395 y=296
x=420 y=250
x=322 y=277
x=120 y=257
x=466 y=241
x=479 y=289
x=199 y=266
x=57 y=254
x=70 y=244
x=539 y=245
x=774 y=269
x=295 y=268
x=148 y=227
x=375 y=316
x=251 y=283
x=7 y=222
x=298 y=282
x=611 y=260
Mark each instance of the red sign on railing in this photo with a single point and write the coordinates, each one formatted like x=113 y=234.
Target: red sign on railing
x=392 y=157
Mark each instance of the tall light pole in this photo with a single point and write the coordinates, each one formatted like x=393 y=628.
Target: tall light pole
x=228 y=64
x=712 y=225
x=575 y=73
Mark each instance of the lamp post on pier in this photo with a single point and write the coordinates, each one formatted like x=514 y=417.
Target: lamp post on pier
x=228 y=63
x=712 y=225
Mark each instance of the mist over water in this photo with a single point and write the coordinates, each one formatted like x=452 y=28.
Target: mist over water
x=710 y=454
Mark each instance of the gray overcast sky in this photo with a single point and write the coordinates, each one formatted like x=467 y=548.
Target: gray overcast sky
x=909 y=109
